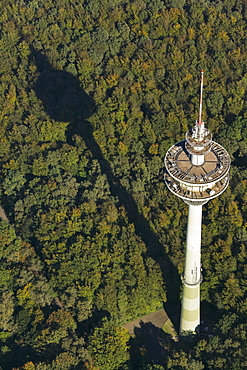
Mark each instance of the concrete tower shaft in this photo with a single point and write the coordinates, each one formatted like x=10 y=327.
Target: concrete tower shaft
x=197 y=170
x=190 y=310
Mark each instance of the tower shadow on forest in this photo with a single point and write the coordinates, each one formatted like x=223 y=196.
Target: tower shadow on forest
x=64 y=100
x=152 y=341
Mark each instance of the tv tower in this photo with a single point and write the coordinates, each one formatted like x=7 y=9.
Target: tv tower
x=196 y=170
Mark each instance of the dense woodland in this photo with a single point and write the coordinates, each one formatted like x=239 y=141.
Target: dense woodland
x=92 y=95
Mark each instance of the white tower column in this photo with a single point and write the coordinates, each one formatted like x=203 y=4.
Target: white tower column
x=196 y=171
x=190 y=311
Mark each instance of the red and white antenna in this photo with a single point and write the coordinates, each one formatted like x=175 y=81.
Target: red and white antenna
x=200 y=122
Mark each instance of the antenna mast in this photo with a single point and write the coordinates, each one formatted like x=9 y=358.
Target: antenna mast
x=200 y=109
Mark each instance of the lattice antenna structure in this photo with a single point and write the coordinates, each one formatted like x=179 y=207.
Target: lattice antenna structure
x=197 y=170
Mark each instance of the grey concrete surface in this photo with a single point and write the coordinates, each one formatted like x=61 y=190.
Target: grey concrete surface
x=157 y=318
x=3 y=215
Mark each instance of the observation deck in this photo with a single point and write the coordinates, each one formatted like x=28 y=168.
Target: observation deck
x=197 y=184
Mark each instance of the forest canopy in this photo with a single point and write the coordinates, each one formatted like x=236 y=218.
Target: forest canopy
x=92 y=95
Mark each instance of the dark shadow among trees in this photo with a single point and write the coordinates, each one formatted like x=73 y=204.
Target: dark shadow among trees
x=154 y=342
x=64 y=100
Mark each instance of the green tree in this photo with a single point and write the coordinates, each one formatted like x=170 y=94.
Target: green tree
x=109 y=346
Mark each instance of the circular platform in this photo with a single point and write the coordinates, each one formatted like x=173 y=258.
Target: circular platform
x=197 y=182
